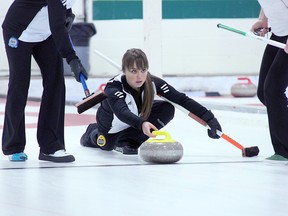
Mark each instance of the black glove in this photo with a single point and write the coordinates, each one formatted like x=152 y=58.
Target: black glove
x=77 y=68
x=69 y=19
x=213 y=123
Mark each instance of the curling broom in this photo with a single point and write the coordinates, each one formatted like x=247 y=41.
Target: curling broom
x=91 y=99
x=246 y=152
x=252 y=35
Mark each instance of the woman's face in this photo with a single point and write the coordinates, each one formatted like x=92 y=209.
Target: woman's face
x=136 y=77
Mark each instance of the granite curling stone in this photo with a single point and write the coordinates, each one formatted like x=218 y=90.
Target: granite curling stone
x=247 y=89
x=161 y=149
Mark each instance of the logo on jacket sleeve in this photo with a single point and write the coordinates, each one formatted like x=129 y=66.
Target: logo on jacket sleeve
x=101 y=140
x=13 y=42
x=67 y=3
x=165 y=88
x=119 y=94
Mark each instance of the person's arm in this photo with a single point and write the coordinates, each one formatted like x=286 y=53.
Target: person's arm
x=261 y=25
x=57 y=20
x=167 y=91
x=70 y=16
x=286 y=47
x=147 y=127
x=262 y=16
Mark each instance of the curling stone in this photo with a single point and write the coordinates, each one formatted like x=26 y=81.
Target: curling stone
x=247 y=89
x=161 y=149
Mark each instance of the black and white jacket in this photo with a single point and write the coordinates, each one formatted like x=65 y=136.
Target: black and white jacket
x=22 y=12
x=122 y=106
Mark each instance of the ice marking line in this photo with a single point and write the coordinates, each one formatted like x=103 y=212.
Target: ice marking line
x=128 y=165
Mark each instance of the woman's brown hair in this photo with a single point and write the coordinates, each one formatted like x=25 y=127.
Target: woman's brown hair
x=138 y=57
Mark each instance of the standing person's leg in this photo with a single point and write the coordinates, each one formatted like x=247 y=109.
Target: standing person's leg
x=277 y=103
x=267 y=60
x=50 y=131
x=19 y=59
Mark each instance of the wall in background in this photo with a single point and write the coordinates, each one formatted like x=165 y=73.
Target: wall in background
x=177 y=9
x=192 y=45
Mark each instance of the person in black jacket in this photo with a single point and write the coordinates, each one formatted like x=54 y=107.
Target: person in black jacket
x=129 y=114
x=38 y=28
x=273 y=74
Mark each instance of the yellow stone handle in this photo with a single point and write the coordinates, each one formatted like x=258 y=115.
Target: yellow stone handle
x=167 y=137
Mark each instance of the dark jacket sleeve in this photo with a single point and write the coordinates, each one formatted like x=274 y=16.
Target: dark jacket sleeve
x=57 y=17
x=169 y=92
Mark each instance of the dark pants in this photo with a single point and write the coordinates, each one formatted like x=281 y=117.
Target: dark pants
x=273 y=81
x=50 y=129
x=162 y=113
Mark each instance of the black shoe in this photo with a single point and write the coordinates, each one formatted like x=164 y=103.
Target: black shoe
x=86 y=137
x=60 y=156
x=127 y=150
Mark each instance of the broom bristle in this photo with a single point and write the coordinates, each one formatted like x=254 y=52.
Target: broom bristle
x=90 y=101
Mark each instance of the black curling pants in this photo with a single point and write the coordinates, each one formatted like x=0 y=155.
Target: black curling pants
x=161 y=114
x=273 y=81
x=50 y=128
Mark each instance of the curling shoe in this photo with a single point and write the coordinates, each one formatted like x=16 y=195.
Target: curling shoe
x=86 y=139
x=276 y=158
x=60 y=156
x=18 y=157
x=127 y=150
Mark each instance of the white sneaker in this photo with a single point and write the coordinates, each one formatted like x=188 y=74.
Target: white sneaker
x=60 y=156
